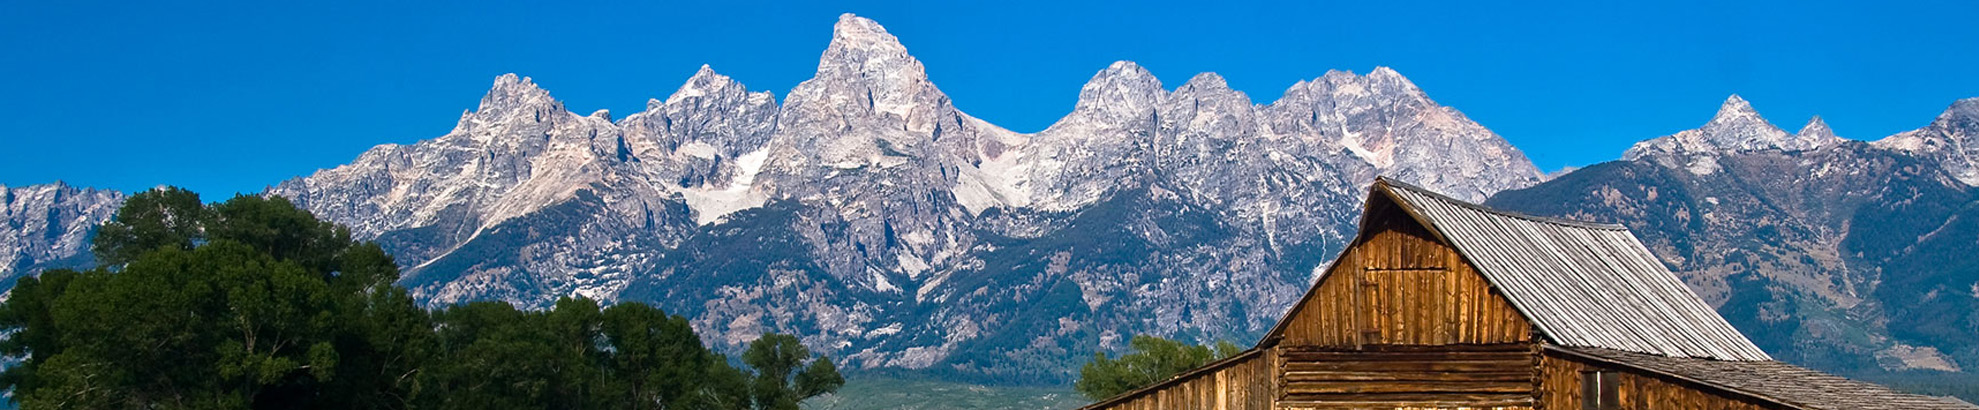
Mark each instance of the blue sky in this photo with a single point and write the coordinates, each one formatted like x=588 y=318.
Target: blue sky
x=227 y=97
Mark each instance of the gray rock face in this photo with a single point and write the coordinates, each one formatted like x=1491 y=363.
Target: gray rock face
x=1826 y=251
x=874 y=219
x=1736 y=129
x=49 y=226
x=1948 y=141
x=462 y=211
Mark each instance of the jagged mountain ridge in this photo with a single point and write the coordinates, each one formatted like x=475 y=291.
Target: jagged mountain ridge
x=888 y=227
x=49 y=226
x=1824 y=250
x=909 y=233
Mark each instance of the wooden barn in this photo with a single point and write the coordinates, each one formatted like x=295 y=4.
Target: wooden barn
x=1443 y=304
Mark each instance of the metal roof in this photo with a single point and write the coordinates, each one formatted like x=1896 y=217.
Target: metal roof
x=1794 y=386
x=1583 y=284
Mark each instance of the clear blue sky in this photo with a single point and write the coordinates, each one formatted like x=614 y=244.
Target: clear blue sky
x=230 y=97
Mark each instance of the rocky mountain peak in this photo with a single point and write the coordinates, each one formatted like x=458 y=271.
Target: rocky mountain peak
x=869 y=175
x=1205 y=82
x=705 y=82
x=1963 y=114
x=1122 y=88
x=869 y=100
x=860 y=46
x=1736 y=128
x=1816 y=130
x=1947 y=140
x=860 y=31
x=703 y=126
x=1959 y=122
x=513 y=93
x=1735 y=108
x=1207 y=105
x=1387 y=78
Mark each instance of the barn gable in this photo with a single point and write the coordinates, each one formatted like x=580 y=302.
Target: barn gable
x=1398 y=283
x=1579 y=284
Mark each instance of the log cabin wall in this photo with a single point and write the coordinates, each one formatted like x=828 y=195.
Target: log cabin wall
x=1560 y=389
x=1490 y=376
x=1244 y=383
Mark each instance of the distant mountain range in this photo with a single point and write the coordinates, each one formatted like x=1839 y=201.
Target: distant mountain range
x=1831 y=252
x=867 y=214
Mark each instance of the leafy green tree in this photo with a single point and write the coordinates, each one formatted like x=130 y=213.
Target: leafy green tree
x=1153 y=359
x=250 y=303
x=778 y=383
x=658 y=359
x=503 y=358
x=576 y=356
x=29 y=314
x=253 y=303
x=167 y=217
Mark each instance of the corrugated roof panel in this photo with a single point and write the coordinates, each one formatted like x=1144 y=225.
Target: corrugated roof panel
x=1782 y=383
x=1583 y=284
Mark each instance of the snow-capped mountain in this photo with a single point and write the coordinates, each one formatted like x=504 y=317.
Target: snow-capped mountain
x=49 y=226
x=871 y=216
x=1834 y=253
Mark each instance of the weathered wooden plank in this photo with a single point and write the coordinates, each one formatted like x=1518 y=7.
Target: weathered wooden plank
x=1505 y=350
x=1396 y=386
x=1524 y=376
x=1404 y=400
x=1425 y=366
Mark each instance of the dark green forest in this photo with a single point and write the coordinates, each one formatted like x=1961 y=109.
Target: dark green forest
x=253 y=303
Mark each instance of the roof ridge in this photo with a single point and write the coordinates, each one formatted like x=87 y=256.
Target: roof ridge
x=1393 y=183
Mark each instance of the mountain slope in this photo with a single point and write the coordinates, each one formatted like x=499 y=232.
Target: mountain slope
x=1829 y=252
x=870 y=216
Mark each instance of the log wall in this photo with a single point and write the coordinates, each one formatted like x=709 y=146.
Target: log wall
x=1499 y=376
x=1561 y=390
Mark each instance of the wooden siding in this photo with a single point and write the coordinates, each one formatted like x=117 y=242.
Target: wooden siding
x=1399 y=285
x=1499 y=376
x=1582 y=284
x=1240 y=384
x=1561 y=383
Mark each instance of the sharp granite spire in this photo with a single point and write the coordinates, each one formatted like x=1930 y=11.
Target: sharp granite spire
x=512 y=93
x=1816 y=129
x=1736 y=128
x=1123 y=89
x=705 y=82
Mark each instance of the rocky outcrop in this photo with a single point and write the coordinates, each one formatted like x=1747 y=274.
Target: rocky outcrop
x=49 y=226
